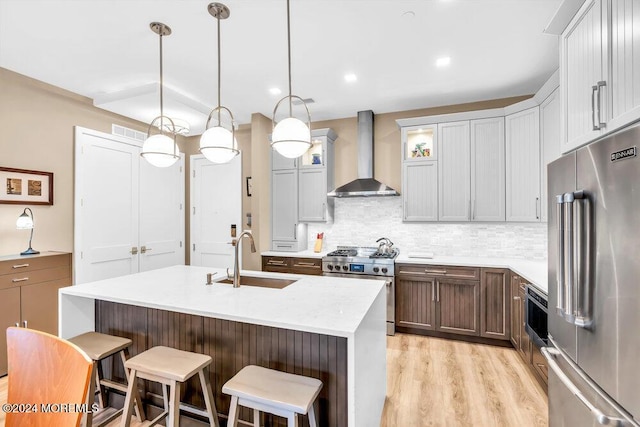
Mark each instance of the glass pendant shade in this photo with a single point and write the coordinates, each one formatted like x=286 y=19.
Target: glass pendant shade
x=160 y=151
x=24 y=222
x=291 y=137
x=218 y=145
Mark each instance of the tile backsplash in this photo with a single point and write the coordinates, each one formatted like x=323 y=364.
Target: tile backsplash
x=362 y=220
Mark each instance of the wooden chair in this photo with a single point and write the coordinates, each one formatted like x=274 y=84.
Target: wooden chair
x=46 y=371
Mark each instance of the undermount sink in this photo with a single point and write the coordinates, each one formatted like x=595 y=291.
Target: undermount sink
x=261 y=282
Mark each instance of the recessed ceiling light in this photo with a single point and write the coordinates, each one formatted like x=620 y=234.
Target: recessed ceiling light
x=350 y=78
x=275 y=91
x=443 y=62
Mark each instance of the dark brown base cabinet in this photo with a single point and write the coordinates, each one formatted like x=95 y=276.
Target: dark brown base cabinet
x=294 y=265
x=29 y=293
x=530 y=354
x=495 y=312
x=437 y=298
x=232 y=345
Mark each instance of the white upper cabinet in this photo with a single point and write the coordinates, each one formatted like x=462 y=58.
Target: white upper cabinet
x=487 y=169
x=523 y=166
x=315 y=178
x=624 y=75
x=600 y=71
x=280 y=162
x=420 y=191
x=454 y=200
x=549 y=141
x=583 y=76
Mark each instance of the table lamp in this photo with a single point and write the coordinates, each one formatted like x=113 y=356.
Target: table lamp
x=25 y=222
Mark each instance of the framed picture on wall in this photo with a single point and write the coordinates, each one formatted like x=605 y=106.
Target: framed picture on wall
x=26 y=187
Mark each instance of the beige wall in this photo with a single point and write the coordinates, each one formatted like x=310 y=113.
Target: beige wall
x=37 y=123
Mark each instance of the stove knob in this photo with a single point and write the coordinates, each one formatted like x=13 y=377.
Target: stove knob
x=345 y=268
x=384 y=269
x=376 y=269
x=330 y=267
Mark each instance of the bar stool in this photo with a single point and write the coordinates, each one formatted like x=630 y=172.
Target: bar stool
x=171 y=368
x=271 y=391
x=98 y=347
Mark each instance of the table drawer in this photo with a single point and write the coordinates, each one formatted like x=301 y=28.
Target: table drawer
x=20 y=265
x=466 y=273
x=31 y=277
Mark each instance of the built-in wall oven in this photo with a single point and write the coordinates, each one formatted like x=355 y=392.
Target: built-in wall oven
x=536 y=316
x=365 y=263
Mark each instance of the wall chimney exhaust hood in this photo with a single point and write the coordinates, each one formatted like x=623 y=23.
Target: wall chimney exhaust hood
x=365 y=185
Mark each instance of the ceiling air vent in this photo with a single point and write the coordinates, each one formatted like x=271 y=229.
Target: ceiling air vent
x=128 y=133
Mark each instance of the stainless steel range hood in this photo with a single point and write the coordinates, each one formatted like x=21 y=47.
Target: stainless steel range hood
x=365 y=185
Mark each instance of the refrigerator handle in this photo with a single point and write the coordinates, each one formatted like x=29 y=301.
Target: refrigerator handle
x=569 y=272
x=550 y=353
x=560 y=261
x=582 y=261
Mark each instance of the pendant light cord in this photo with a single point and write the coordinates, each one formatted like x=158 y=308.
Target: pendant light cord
x=219 y=77
x=161 y=84
x=289 y=56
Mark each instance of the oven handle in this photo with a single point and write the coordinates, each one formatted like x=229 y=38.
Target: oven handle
x=550 y=354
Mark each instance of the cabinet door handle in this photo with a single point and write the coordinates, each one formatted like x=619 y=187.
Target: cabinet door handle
x=433 y=290
x=473 y=209
x=435 y=271
x=594 y=89
x=23 y=279
x=306 y=264
x=144 y=249
x=134 y=251
x=24 y=322
x=537 y=207
x=275 y=262
x=20 y=266
x=295 y=231
x=600 y=84
x=438 y=292
x=516 y=298
x=17 y=324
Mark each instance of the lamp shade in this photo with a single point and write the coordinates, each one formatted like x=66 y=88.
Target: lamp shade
x=291 y=137
x=160 y=150
x=24 y=222
x=218 y=144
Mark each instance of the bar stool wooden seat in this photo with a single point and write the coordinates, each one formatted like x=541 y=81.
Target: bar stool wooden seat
x=271 y=391
x=171 y=368
x=98 y=347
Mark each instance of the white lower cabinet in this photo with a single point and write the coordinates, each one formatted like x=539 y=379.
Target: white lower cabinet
x=420 y=191
x=487 y=169
x=523 y=199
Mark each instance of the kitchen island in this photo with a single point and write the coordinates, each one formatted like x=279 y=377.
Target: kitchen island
x=329 y=328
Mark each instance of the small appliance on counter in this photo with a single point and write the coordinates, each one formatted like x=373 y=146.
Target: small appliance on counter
x=365 y=262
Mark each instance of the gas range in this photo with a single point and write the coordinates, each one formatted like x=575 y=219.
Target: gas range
x=359 y=260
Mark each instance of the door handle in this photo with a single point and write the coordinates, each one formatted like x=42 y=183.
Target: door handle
x=550 y=354
x=134 y=250
x=560 y=255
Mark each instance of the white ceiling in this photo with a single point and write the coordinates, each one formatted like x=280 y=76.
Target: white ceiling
x=104 y=49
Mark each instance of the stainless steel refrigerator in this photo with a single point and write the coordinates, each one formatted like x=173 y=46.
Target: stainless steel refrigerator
x=594 y=284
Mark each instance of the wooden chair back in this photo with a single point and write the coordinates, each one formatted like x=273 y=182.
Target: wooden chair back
x=45 y=374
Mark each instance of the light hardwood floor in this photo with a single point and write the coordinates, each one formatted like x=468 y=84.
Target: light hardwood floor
x=438 y=382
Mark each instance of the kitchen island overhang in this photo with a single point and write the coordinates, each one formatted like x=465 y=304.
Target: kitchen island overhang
x=352 y=310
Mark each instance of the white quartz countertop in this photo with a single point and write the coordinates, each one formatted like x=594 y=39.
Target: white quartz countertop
x=324 y=305
x=534 y=272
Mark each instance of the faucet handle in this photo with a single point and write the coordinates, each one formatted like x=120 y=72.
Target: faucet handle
x=229 y=276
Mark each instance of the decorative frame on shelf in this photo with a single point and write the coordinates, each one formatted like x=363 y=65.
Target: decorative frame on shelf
x=249 y=187
x=26 y=187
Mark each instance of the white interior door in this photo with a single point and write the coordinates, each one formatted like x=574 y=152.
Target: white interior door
x=161 y=215
x=106 y=205
x=216 y=204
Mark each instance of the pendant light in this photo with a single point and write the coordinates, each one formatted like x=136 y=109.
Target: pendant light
x=161 y=149
x=291 y=137
x=218 y=144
